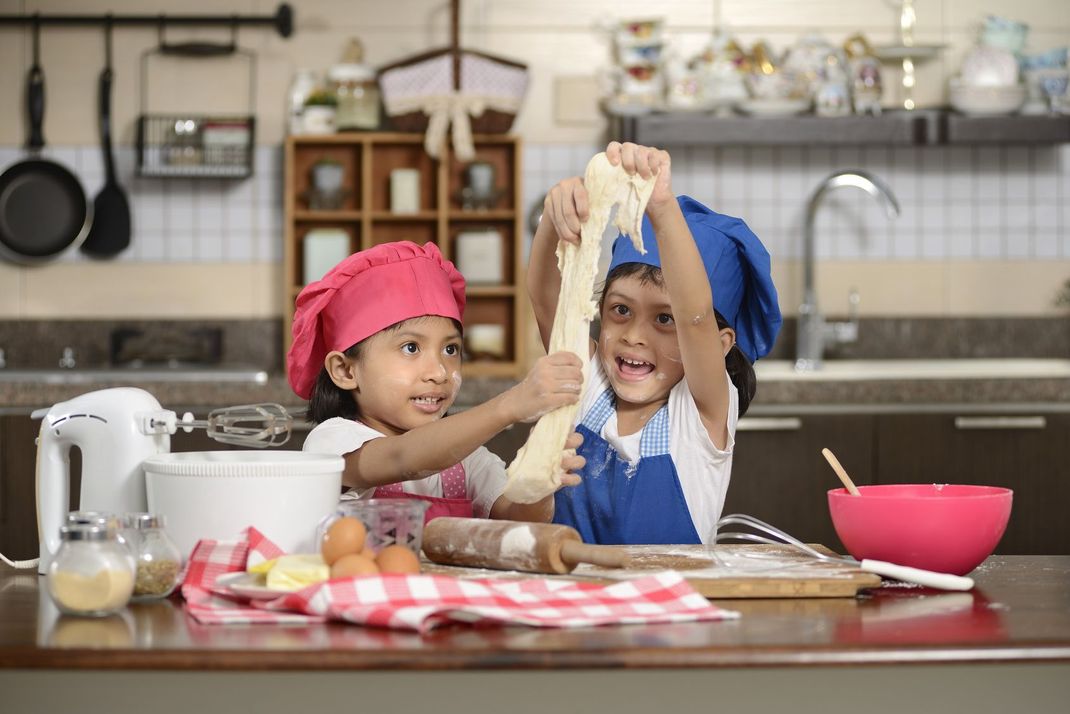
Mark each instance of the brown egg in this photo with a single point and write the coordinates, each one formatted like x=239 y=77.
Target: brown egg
x=397 y=559
x=344 y=536
x=353 y=564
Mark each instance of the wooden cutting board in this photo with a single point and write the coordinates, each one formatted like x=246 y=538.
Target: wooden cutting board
x=721 y=571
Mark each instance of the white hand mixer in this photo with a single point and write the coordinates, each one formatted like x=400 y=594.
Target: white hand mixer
x=116 y=430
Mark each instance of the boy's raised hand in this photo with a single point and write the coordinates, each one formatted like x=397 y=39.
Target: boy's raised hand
x=555 y=381
x=566 y=207
x=645 y=161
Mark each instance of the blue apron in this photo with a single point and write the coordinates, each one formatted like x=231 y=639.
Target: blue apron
x=619 y=502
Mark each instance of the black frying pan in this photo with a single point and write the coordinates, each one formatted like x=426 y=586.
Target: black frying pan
x=43 y=208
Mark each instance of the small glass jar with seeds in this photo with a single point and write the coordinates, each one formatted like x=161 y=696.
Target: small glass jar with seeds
x=159 y=561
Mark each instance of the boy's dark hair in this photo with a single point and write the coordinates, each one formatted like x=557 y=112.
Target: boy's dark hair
x=328 y=400
x=739 y=368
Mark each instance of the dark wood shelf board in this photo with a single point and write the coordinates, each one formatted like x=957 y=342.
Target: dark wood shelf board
x=960 y=129
x=677 y=129
x=896 y=128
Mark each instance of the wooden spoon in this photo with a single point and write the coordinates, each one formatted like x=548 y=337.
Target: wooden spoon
x=835 y=464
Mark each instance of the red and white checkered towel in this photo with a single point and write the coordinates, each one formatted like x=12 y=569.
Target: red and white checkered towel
x=423 y=602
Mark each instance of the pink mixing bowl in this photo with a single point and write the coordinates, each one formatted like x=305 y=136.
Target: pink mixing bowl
x=948 y=528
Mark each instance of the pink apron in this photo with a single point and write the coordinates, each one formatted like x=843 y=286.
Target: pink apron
x=454 y=501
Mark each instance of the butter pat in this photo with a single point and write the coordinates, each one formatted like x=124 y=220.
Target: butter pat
x=293 y=572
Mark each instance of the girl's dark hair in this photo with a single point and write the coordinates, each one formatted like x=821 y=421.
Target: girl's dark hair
x=739 y=368
x=329 y=400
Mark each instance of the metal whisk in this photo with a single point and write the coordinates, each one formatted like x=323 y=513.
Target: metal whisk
x=256 y=425
x=771 y=535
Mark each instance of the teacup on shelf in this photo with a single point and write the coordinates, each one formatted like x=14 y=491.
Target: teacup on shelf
x=1003 y=33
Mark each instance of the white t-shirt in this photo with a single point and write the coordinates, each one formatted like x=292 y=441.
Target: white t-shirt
x=484 y=472
x=703 y=469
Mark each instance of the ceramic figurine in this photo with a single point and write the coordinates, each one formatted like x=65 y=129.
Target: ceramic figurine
x=865 y=73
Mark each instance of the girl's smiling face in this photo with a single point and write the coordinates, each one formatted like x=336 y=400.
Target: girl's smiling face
x=408 y=375
x=637 y=345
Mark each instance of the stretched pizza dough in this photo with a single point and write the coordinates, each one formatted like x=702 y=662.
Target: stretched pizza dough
x=536 y=471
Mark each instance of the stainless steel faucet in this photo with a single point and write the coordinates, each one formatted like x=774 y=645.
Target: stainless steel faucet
x=815 y=333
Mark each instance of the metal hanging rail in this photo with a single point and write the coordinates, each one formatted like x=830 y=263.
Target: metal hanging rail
x=282 y=20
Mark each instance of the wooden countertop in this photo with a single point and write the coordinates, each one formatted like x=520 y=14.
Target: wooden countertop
x=1018 y=614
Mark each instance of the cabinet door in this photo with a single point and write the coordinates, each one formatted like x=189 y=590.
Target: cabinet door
x=780 y=476
x=18 y=500
x=1022 y=452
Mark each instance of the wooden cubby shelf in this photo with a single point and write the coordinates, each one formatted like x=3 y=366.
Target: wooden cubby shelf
x=365 y=216
x=327 y=216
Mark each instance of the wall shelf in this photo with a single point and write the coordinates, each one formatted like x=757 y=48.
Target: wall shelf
x=894 y=128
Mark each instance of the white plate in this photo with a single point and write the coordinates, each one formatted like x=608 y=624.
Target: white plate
x=773 y=107
x=248 y=585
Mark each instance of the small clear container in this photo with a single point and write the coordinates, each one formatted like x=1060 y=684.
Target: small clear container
x=92 y=573
x=356 y=91
x=159 y=560
x=388 y=521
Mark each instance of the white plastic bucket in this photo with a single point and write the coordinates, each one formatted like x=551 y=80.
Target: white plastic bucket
x=217 y=494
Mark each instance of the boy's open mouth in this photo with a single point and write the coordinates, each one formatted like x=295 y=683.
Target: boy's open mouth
x=636 y=369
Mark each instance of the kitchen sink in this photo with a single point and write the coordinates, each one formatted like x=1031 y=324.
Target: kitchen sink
x=875 y=369
x=136 y=375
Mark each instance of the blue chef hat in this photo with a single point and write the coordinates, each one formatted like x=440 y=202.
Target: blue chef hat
x=737 y=265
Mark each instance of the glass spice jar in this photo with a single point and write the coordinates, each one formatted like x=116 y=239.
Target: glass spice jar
x=111 y=521
x=92 y=573
x=159 y=561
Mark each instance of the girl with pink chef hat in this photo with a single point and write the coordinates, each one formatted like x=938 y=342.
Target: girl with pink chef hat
x=377 y=352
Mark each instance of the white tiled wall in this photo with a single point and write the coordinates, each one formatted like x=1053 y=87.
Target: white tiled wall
x=186 y=220
x=960 y=203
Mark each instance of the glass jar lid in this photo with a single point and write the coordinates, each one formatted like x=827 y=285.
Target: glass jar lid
x=94 y=518
x=85 y=532
x=351 y=73
x=145 y=521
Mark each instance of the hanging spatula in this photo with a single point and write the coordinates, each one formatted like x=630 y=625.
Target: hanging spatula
x=110 y=232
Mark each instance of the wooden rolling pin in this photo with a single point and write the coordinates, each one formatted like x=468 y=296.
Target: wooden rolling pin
x=514 y=545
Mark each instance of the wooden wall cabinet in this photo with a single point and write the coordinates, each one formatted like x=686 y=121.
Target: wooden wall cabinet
x=367 y=160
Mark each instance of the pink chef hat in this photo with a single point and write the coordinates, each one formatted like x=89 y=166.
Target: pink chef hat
x=365 y=293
